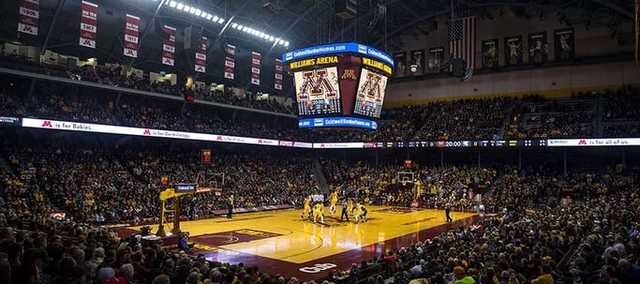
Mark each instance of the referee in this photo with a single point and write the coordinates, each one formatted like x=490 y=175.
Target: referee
x=343 y=213
x=230 y=207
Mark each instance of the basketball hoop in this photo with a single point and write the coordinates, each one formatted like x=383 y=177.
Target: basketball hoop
x=405 y=177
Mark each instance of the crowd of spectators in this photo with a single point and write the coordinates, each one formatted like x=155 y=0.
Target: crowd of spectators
x=94 y=184
x=118 y=75
x=592 y=240
x=580 y=228
x=550 y=228
x=622 y=111
x=464 y=187
x=610 y=114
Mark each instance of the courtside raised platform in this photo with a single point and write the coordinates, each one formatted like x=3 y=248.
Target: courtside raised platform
x=279 y=242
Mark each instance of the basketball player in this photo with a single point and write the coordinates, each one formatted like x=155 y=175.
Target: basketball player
x=318 y=213
x=447 y=212
x=333 y=200
x=357 y=214
x=349 y=206
x=364 y=212
x=306 y=209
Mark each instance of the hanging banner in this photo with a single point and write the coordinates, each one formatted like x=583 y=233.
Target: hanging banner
x=277 y=82
x=131 y=32
x=88 y=24
x=28 y=16
x=169 y=45
x=490 y=51
x=436 y=60
x=513 y=50
x=564 y=43
x=417 y=62
x=256 y=62
x=201 y=55
x=205 y=156
x=538 y=48
x=230 y=62
x=401 y=64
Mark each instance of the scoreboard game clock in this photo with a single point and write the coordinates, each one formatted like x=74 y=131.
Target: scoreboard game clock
x=339 y=85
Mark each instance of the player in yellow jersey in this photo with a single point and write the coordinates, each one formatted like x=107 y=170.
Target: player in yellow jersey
x=318 y=213
x=357 y=213
x=306 y=210
x=333 y=200
x=364 y=211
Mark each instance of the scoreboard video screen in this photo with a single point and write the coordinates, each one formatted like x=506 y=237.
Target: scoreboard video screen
x=370 y=96
x=317 y=91
x=339 y=85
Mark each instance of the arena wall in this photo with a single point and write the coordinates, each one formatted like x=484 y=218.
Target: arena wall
x=590 y=41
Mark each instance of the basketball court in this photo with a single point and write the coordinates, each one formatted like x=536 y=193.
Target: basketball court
x=280 y=242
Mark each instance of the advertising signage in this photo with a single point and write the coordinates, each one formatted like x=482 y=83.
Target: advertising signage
x=336 y=48
x=309 y=123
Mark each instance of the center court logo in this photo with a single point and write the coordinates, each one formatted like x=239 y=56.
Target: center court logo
x=318 y=267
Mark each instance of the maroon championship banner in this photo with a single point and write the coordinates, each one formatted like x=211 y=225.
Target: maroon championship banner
x=131 y=32
x=28 y=16
x=169 y=45
x=88 y=24
x=277 y=82
x=201 y=55
x=230 y=62
x=256 y=62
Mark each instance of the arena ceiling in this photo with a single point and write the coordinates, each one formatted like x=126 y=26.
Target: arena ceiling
x=301 y=22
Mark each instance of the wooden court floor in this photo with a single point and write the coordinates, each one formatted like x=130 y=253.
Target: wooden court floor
x=281 y=242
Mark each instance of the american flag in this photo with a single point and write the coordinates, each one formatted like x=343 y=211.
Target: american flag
x=462 y=42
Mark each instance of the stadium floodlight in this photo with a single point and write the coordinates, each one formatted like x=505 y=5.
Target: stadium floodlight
x=198 y=12
x=215 y=18
x=192 y=10
x=172 y=4
x=179 y=6
x=209 y=16
x=255 y=32
x=186 y=8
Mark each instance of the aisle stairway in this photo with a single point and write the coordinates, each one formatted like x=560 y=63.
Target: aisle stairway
x=318 y=173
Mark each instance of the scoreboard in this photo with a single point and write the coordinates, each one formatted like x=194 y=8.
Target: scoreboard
x=339 y=85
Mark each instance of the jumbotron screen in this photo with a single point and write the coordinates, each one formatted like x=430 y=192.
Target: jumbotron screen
x=339 y=85
x=318 y=91
x=370 y=94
